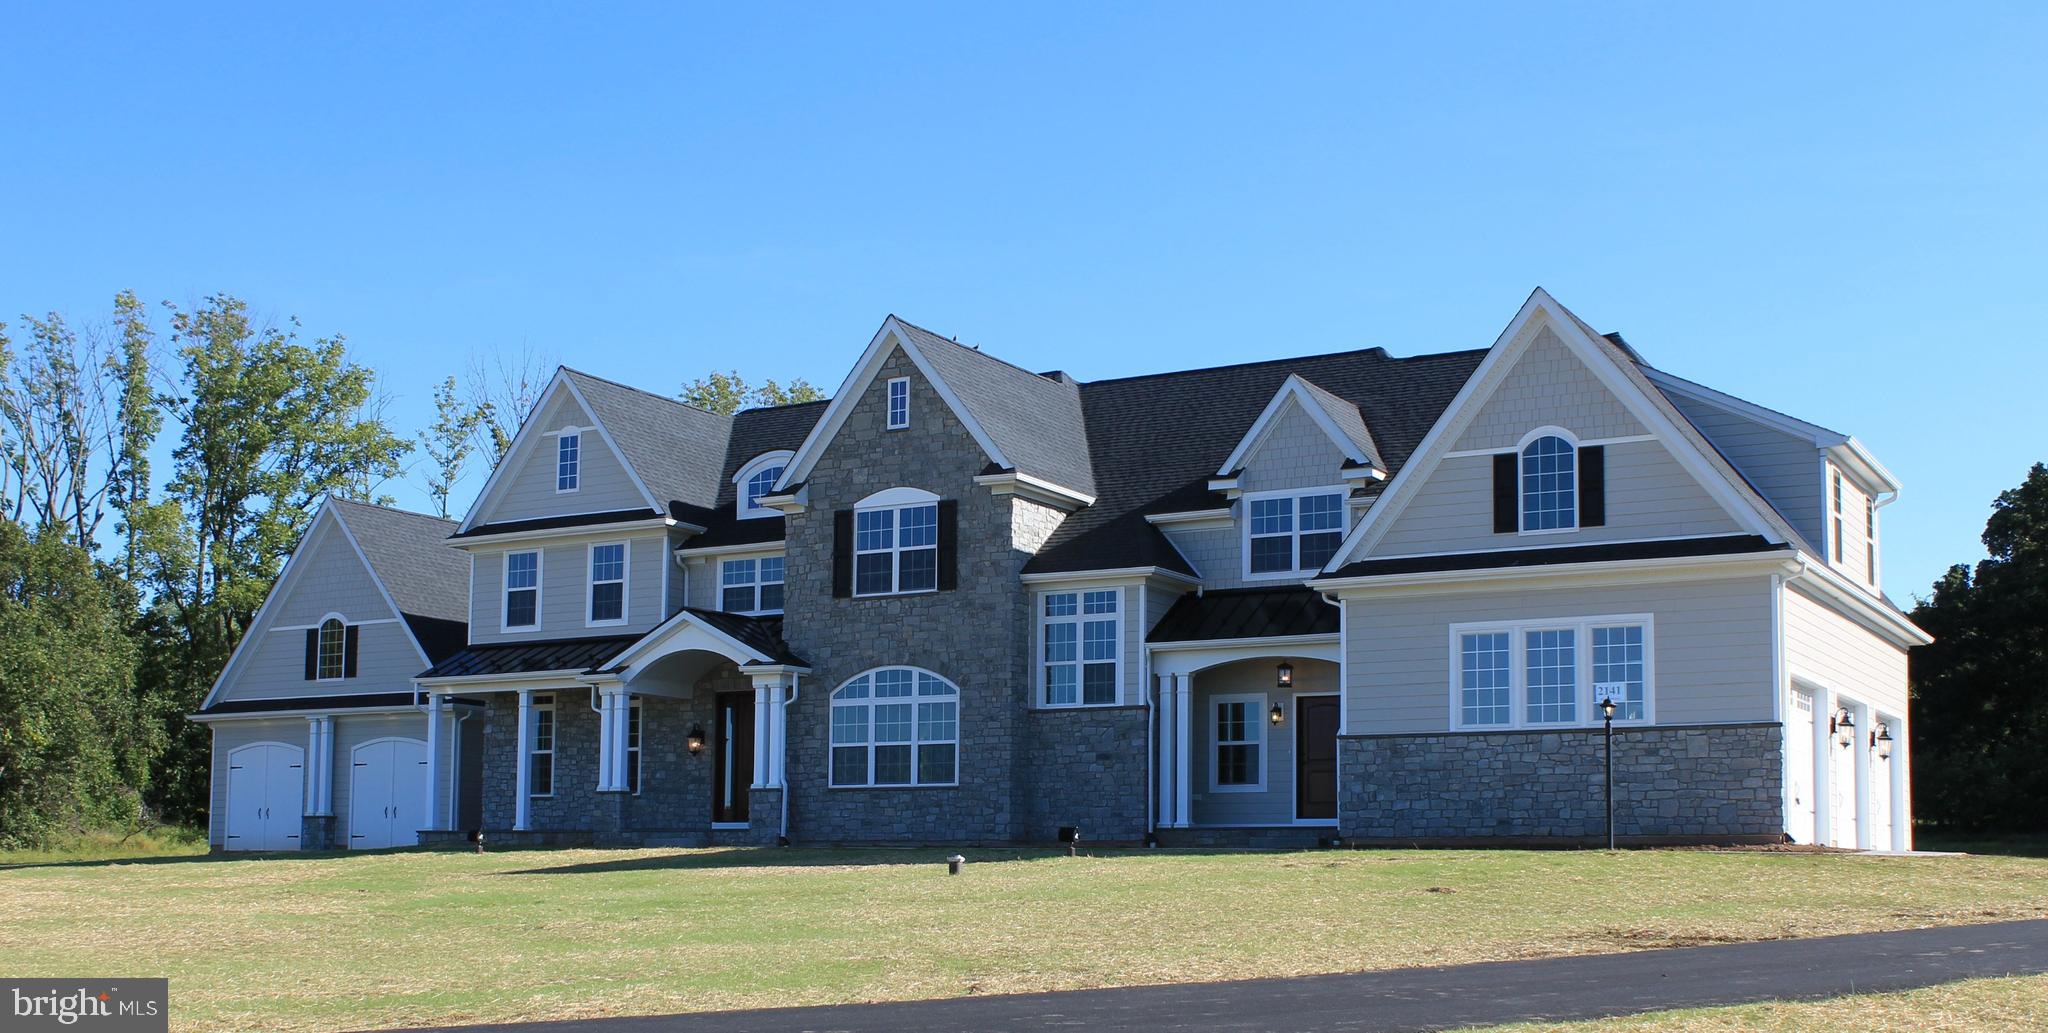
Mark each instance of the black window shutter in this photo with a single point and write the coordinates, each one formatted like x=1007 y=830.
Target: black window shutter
x=842 y=554
x=348 y=651
x=1593 y=486
x=312 y=653
x=1507 y=516
x=949 y=544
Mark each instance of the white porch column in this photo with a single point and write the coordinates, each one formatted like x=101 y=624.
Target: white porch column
x=622 y=728
x=433 y=811
x=1184 y=757
x=764 y=763
x=523 y=784
x=1163 y=788
x=319 y=766
x=605 y=718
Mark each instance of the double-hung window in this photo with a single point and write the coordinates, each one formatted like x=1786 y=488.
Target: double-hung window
x=1870 y=540
x=522 y=589
x=568 y=460
x=896 y=549
x=896 y=726
x=1290 y=532
x=1835 y=506
x=1079 y=640
x=541 y=748
x=751 y=585
x=608 y=583
x=899 y=403
x=1550 y=673
x=1238 y=765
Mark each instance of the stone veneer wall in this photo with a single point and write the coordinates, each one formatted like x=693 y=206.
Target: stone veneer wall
x=1703 y=782
x=1087 y=768
x=675 y=788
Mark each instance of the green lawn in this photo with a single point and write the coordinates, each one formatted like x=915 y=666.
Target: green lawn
x=350 y=942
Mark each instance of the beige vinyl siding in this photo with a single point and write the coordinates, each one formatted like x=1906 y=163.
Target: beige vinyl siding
x=1711 y=648
x=1785 y=469
x=603 y=486
x=229 y=736
x=1649 y=495
x=1827 y=650
x=565 y=589
x=1213 y=551
x=329 y=577
x=1548 y=386
x=1292 y=452
x=1274 y=805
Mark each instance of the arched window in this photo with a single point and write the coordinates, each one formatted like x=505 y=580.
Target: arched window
x=760 y=483
x=333 y=649
x=756 y=479
x=896 y=726
x=1550 y=497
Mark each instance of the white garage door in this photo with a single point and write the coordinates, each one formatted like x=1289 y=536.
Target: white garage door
x=387 y=794
x=266 y=794
x=1799 y=769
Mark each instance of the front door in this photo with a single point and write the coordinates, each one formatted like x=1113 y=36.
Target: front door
x=1315 y=758
x=733 y=741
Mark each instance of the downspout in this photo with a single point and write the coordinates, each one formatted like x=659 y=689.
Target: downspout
x=795 y=680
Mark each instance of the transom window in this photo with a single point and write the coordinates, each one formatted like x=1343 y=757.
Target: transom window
x=1079 y=636
x=608 y=583
x=899 y=403
x=1239 y=761
x=541 y=749
x=1293 y=532
x=568 y=461
x=896 y=726
x=751 y=585
x=756 y=480
x=761 y=483
x=896 y=548
x=522 y=589
x=1549 y=484
x=1550 y=673
x=333 y=649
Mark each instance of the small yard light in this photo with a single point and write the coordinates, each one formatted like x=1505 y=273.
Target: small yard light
x=1276 y=715
x=1844 y=727
x=1881 y=741
x=1286 y=677
x=695 y=741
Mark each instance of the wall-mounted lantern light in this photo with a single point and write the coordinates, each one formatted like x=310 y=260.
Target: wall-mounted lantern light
x=695 y=741
x=1881 y=741
x=1276 y=715
x=1286 y=676
x=1844 y=727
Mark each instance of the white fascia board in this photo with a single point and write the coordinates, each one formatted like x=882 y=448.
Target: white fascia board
x=1602 y=572
x=1843 y=448
x=857 y=381
x=1852 y=455
x=749 y=549
x=1036 y=489
x=502 y=682
x=789 y=502
x=1296 y=389
x=1193 y=519
x=1106 y=574
x=610 y=530
x=286 y=578
x=1858 y=604
x=624 y=463
x=203 y=718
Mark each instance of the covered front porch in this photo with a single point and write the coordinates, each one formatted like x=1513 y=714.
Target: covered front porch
x=1246 y=741
x=671 y=738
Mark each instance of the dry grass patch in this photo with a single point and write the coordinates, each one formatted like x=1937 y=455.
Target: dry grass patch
x=1974 y=1006
x=294 y=944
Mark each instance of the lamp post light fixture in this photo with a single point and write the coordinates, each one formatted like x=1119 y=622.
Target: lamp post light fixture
x=695 y=741
x=1276 y=715
x=1607 y=719
x=1881 y=741
x=1286 y=676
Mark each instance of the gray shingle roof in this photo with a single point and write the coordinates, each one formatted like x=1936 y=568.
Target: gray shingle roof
x=677 y=449
x=1034 y=419
x=1345 y=415
x=428 y=579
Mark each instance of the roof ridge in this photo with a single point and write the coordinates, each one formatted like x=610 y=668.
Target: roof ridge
x=392 y=509
x=782 y=408
x=643 y=391
x=971 y=348
x=1286 y=359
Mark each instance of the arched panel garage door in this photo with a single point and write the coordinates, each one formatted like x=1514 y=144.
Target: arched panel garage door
x=387 y=794
x=266 y=796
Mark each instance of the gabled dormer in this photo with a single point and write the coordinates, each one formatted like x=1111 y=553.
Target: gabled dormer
x=1293 y=480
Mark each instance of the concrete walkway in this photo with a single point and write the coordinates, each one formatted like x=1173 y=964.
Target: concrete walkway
x=1586 y=987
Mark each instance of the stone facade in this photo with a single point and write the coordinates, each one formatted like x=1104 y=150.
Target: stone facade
x=1087 y=768
x=975 y=636
x=316 y=832
x=1705 y=782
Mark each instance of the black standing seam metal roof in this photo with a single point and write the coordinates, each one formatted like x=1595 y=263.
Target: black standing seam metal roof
x=761 y=634
x=361 y=701
x=569 y=654
x=551 y=523
x=1245 y=613
x=1718 y=545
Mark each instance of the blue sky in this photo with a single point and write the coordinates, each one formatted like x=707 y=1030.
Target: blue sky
x=1834 y=211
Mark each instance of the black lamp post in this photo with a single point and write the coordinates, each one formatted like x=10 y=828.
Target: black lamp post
x=1607 y=717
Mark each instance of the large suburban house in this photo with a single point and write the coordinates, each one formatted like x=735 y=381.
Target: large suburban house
x=1349 y=596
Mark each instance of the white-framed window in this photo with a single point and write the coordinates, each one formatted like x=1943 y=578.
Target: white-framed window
x=1549 y=483
x=333 y=654
x=899 y=403
x=607 y=584
x=541 y=748
x=896 y=543
x=752 y=585
x=896 y=726
x=1288 y=532
x=568 y=460
x=1841 y=548
x=1870 y=539
x=633 y=746
x=522 y=589
x=1080 y=638
x=1238 y=763
x=1551 y=673
x=757 y=479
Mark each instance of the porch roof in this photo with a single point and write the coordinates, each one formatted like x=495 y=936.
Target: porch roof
x=569 y=654
x=1232 y=613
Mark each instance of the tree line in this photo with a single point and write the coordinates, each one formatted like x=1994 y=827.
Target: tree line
x=125 y=587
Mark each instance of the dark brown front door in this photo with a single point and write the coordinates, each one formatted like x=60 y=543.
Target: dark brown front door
x=732 y=756
x=1315 y=757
